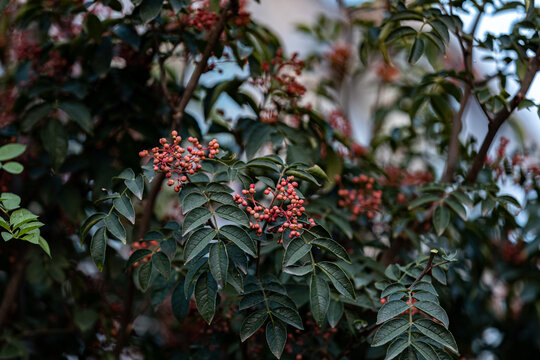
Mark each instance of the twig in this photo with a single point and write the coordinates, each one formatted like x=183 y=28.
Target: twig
x=213 y=39
x=426 y=269
x=453 y=145
x=503 y=115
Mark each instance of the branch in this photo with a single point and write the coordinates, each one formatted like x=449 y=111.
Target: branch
x=426 y=269
x=453 y=145
x=213 y=40
x=503 y=115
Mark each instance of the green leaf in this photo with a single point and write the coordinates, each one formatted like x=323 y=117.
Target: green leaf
x=27 y=227
x=11 y=151
x=296 y=250
x=417 y=50
x=55 y=140
x=13 y=167
x=425 y=296
x=276 y=337
x=389 y=331
x=7 y=236
x=301 y=174
x=457 y=208
x=252 y=323
x=98 y=247
x=161 y=263
x=126 y=174
x=89 y=222
x=44 y=245
x=263 y=163
x=124 y=206
x=423 y=199
x=102 y=56
x=192 y=201
x=338 y=278
x=168 y=247
x=280 y=300
x=20 y=217
x=390 y=310
x=395 y=348
x=222 y=198
x=115 y=227
x=79 y=113
x=441 y=219
x=333 y=247
x=233 y=213
x=136 y=186
x=137 y=255
x=85 y=319
x=436 y=332
x=10 y=201
x=393 y=288
x=335 y=312
x=425 y=350
x=439 y=275
x=31 y=118
x=205 y=296
x=434 y=310
x=400 y=33
x=319 y=295
x=298 y=270
x=197 y=241
x=195 y=218
x=288 y=315
x=240 y=238
x=150 y=9
x=487 y=205
x=180 y=302
x=218 y=262
x=251 y=299
x=425 y=286
x=144 y=273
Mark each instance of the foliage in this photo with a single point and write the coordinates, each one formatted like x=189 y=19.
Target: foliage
x=265 y=231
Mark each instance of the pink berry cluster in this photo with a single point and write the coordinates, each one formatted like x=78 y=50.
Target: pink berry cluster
x=173 y=159
x=361 y=200
x=201 y=17
x=285 y=205
x=279 y=86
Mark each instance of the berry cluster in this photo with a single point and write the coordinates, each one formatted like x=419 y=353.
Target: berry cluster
x=285 y=207
x=338 y=58
x=340 y=123
x=364 y=199
x=201 y=17
x=173 y=159
x=396 y=177
x=279 y=86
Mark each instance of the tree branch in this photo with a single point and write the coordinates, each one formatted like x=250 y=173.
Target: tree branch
x=453 y=145
x=503 y=115
x=213 y=40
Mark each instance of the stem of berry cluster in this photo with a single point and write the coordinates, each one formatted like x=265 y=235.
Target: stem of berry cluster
x=259 y=243
x=426 y=269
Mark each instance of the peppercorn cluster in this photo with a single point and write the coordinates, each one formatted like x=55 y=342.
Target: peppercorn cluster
x=176 y=161
x=282 y=214
x=363 y=199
